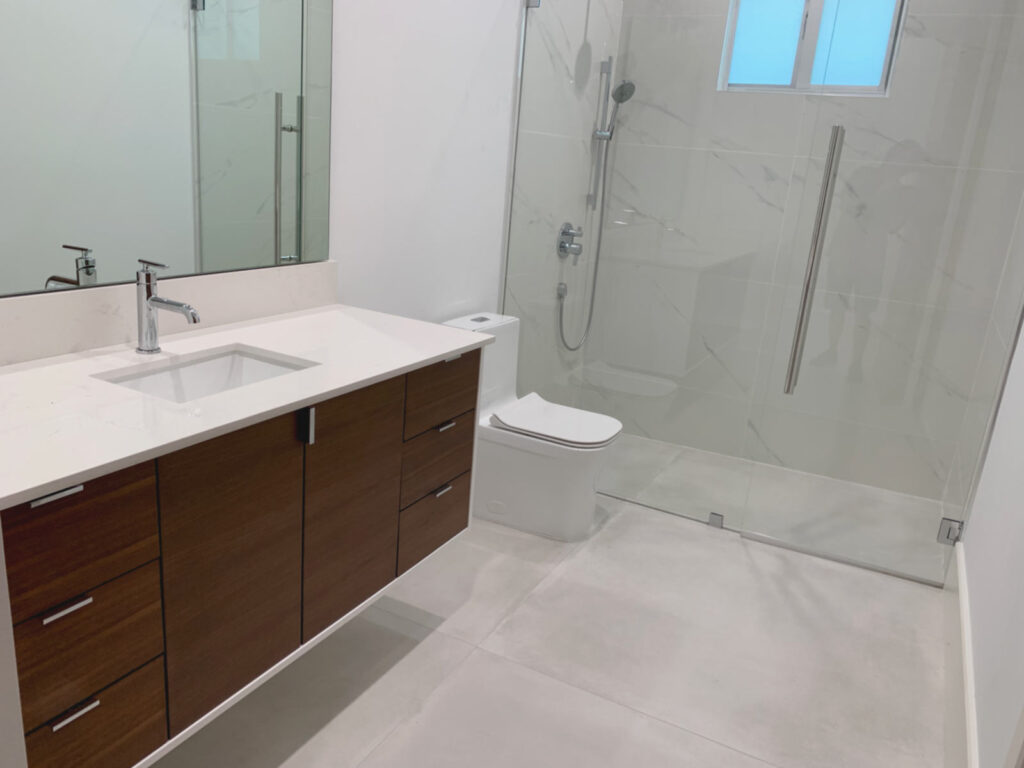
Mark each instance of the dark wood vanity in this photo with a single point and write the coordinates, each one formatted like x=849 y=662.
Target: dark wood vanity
x=143 y=599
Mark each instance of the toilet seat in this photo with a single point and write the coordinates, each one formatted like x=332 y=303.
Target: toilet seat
x=534 y=416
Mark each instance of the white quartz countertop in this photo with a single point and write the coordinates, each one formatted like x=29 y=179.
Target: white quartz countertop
x=59 y=425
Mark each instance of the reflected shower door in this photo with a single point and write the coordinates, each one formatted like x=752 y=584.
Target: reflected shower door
x=249 y=84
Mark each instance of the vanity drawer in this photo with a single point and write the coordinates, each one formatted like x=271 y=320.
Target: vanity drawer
x=64 y=544
x=79 y=647
x=440 y=392
x=115 y=728
x=432 y=521
x=436 y=456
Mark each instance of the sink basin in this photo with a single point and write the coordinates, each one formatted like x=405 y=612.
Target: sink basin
x=200 y=374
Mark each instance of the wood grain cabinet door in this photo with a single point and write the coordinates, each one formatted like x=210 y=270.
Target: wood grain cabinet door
x=231 y=528
x=353 y=481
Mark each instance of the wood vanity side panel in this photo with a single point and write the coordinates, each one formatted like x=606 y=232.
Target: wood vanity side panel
x=353 y=477
x=441 y=392
x=129 y=723
x=231 y=526
x=61 y=663
x=66 y=547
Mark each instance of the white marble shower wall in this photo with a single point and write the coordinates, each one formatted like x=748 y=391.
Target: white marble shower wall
x=712 y=203
x=566 y=41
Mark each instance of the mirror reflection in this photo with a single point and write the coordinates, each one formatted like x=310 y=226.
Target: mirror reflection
x=198 y=138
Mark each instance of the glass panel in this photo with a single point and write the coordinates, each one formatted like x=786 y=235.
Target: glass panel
x=764 y=48
x=853 y=43
x=711 y=207
x=247 y=51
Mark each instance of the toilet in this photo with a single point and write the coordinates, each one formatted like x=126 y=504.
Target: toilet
x=536 y=462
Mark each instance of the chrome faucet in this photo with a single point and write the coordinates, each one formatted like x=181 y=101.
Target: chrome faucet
x=149 y=303
x=85 y=270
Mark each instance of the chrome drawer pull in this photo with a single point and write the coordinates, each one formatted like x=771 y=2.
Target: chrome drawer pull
x=78 y=714
x=58 y=495
x=70 y=609
x=446 y=427
x=442 y=492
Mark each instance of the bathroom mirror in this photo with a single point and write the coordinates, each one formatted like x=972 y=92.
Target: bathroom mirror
x=194 y=133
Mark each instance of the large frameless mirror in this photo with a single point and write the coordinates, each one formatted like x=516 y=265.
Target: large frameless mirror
x=194 y=133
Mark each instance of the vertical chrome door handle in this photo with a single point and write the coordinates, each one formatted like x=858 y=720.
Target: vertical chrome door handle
x=828 y=188
x=278 y=125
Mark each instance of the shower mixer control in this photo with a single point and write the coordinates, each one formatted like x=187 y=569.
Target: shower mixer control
x=567 y=244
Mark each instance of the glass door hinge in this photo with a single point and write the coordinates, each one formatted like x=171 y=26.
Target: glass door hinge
x=198 y=5
x=950 y=531
x=533 y=3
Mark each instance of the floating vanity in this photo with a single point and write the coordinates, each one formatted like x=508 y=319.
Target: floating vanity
x=178 y=529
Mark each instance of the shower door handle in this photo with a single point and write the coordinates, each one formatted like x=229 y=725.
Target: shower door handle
x=279 y=129
x=828 y=188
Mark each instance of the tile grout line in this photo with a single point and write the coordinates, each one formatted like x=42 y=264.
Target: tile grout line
x=629 y=707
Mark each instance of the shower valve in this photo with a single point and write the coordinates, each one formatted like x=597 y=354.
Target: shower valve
x=567 y=244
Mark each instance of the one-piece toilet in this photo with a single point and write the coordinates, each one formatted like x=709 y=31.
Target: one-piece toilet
x=536 y=462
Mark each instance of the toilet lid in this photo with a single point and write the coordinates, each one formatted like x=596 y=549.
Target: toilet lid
x=535 y=416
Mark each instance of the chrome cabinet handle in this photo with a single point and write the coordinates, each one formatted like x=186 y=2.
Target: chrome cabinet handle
x=67 y=611
x=442 y=492
x=58 y=495
x=828 y=188
x=446 y=427
x=69 y=720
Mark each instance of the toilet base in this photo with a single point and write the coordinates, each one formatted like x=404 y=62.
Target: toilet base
x=536 y=486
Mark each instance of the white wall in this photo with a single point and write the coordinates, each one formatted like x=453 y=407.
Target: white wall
x=421 y=129
x=993 y=543
x=97 y=138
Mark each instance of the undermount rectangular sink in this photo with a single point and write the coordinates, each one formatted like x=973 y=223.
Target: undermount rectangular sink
x=205 y=373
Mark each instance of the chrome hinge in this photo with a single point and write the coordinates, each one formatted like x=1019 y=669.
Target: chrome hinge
x=716 y=520
x=198 y=5
x=950 y=531
x=533 y=3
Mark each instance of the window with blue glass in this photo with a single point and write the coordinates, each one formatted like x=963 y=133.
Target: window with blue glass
x=813 y=45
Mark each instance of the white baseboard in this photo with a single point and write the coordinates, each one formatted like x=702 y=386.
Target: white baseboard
x=970 y=702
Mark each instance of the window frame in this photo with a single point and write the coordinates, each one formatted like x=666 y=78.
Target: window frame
x=803 y=62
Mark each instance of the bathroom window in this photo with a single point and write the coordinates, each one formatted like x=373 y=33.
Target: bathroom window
x=830 y=46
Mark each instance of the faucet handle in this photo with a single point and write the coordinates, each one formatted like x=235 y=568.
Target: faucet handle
x=84 y=250
x=147 y=264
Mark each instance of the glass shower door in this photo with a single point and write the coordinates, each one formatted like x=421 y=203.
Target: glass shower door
x=873 y=339
x=249 y=83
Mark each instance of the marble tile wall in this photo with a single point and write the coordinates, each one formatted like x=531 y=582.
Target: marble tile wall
x=712 y=203
x=565 y=42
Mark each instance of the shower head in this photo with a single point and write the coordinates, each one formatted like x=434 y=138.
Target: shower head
x=624 y=91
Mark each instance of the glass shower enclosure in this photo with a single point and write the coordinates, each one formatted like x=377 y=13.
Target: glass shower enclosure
x=810 y=284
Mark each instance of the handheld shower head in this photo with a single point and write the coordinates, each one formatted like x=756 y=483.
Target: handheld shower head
x=624 y=91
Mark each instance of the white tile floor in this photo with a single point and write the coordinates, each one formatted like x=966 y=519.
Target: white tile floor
x=660 y=642
x=870 y=526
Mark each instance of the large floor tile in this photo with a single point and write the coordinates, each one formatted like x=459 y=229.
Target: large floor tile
x=797 y=661
x=332 y=706
x=498 y=714
x=855 y=522
x=468 y=587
